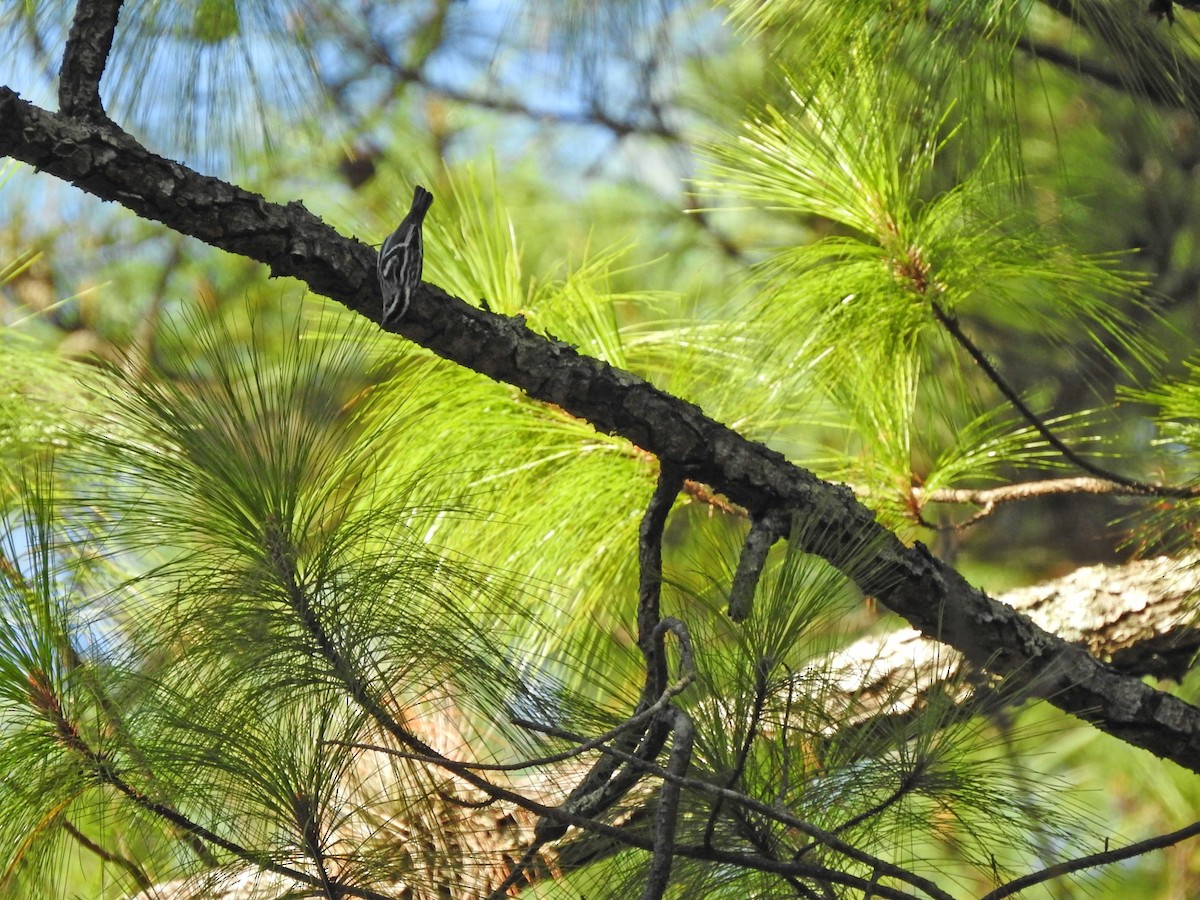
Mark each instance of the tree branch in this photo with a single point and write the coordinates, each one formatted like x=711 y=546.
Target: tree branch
x=987 y=499
x=772 y=812
x=1091 y=861
x=764 y=532
x=85 y=56
x=950 y=322
x=667 y=818
x=1150 y=64
x=1138 y=616
x=132 y=869
x=292 y=241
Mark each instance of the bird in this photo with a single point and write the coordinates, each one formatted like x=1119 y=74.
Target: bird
x=401 y=258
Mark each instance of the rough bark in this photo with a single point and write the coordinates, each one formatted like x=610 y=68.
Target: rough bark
x=931 y=595
x=85 y=58
x=1141 y=618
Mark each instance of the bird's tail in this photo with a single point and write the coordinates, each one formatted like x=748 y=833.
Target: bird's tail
x=422 y=200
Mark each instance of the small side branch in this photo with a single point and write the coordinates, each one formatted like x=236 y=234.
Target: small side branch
x=668 y=805
x=765 y=530
x=88 y=46
x=133 y=869
x=1107 y=857
x=602 y=786
x=516 y=874
x=950 y=323
x=650 y=534
x=772 y=812
x=307 y=816
x=987 y=499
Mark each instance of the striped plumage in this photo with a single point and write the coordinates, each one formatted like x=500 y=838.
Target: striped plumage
x=400 y=258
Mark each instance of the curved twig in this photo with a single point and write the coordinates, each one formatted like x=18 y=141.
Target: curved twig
x=950 y=323
x=1105 y=857
x=765 y=530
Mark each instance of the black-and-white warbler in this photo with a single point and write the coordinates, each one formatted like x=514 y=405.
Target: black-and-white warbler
x=400 y=258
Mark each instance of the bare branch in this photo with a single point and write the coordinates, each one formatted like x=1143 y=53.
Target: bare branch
x=667 y=818
x=1150 y=64
x=1133 y=485
x=88 y=46
x=764 y=532
x=1078 y=65
x=670 y=482
x=987 y=499
x=602 y=786
x=909 y=580
x=774 y=812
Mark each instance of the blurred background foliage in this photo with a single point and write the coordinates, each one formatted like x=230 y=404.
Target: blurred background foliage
x=751 y=204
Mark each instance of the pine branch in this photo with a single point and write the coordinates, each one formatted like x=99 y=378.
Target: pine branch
x=764 y=532
x=603 y=785
x=1077 y=65
x=773 y=812
x=101 y=770
x=1150 y=65
x=1156 y=90
x=140 y=878
x=667 y=819
x=954 y=329
x=291 y=241
x=1138 y=616
x=84 y=58
x=1093 y=860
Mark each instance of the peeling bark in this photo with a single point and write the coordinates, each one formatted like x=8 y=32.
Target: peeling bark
x=1141 y=618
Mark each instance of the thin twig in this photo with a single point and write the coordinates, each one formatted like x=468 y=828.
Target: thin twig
x=518 y=869
x=114 y=720
x=769 y=811
x=104 y=773
x=902 y=790
x=739 y=765
x=987 y=499
x=1078 y=65
x=306 y=815
x=594 y=743
x=950 y=323
x=135 y=872
x=603 y=786
x=766 y=844
x=1106 y=857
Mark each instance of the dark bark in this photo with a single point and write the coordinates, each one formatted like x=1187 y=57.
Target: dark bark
x=929 y=594
x=85 y=57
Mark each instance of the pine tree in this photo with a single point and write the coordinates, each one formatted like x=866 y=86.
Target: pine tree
x=293 y=607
